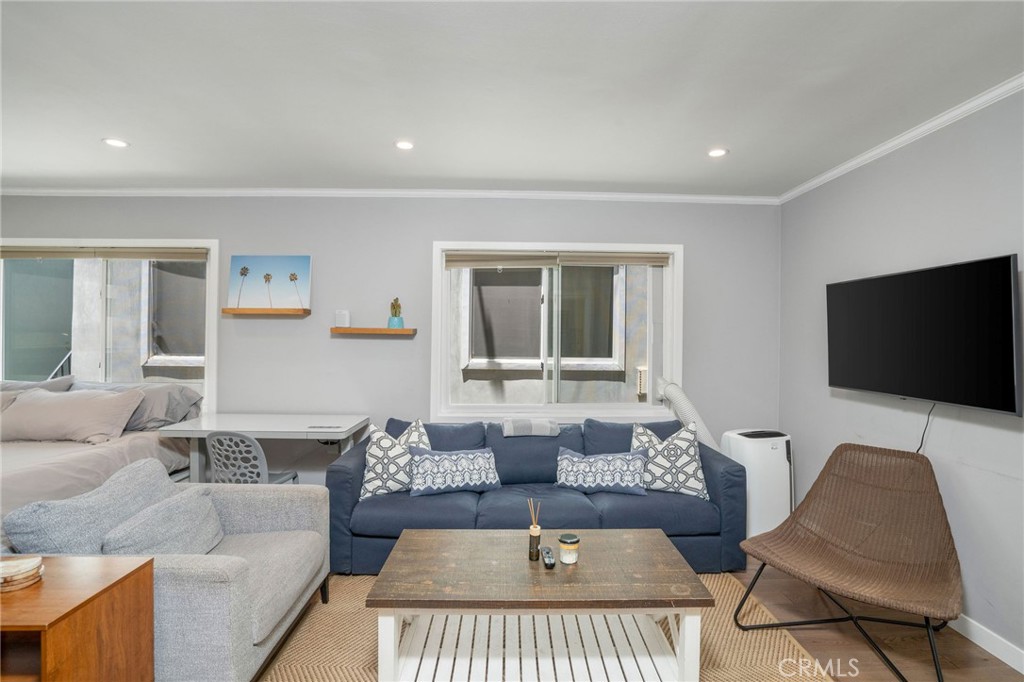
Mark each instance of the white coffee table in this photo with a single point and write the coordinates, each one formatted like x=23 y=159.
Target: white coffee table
x=337 y=427
x=478 y=609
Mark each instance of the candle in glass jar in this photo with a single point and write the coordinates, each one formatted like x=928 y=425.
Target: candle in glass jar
x=568 y=548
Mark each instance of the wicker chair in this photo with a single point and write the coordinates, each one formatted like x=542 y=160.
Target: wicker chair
x=872 y=528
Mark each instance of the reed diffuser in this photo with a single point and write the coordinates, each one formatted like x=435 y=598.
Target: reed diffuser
x=534 y=529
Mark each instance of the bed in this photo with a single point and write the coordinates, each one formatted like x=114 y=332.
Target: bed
x=64 y=438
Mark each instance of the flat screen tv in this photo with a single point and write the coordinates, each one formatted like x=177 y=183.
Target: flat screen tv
x=950 y=334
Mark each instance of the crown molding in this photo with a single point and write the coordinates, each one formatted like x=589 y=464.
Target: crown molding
x=396 y=194
x=990 y=96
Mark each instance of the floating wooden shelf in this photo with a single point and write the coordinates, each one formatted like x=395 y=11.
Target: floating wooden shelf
x=374 y=331
x=265 y=311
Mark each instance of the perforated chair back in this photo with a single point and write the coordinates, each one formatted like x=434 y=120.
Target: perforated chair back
x=238 y=458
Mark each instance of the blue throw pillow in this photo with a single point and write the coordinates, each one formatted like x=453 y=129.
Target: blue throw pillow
x=531 y=459
x=615 y=473
x=444 y=437
x=602 y=438
x=447 y=472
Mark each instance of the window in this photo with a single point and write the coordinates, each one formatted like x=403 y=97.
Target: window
x=547 y=329
x=511 y=328
x=174 y=319
x=106 y=312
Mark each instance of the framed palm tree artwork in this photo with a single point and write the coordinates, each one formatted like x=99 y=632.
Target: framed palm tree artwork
x=269 y=285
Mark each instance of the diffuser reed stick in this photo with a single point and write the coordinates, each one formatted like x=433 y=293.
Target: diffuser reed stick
x=534 y=511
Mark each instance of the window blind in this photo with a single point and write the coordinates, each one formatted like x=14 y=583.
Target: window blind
x=546 y=259
x=108 y=252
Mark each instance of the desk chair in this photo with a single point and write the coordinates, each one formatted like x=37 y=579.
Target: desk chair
x=238 y=458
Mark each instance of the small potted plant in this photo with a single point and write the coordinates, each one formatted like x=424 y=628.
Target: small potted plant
x=396 y=321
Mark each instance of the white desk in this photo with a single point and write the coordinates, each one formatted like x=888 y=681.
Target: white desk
x=283 y=426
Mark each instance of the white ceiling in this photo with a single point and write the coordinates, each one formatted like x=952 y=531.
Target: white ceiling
x=600 y=97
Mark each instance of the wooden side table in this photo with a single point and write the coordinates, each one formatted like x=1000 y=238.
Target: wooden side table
x=89 y=618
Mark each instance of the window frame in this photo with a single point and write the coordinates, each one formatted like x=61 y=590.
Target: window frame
x=442 y=410
x=212 y=247
x=150 y=358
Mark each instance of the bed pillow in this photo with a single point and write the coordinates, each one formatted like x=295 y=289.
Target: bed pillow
x=78 y=524
x=184 y=523
x=6 y=398
x=162 y=404
x=615 y=473
x=673 y=464
x=448 y=472
x=58 y=385
x=84 y=416
x=388 y=460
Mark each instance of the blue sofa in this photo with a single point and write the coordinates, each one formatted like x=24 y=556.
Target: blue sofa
x=706 y=533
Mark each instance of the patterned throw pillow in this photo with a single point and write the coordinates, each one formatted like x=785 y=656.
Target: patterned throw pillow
x=673 y=465
x=618 y=473
x=447 y=472
x=388 y=460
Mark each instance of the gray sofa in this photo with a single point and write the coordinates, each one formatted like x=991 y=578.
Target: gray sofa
x=706 y=532
x=218 y=616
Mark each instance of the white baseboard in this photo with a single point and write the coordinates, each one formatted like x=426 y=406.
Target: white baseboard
x=1006 y=651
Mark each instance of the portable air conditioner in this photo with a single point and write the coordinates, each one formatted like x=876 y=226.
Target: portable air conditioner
x=768 y=457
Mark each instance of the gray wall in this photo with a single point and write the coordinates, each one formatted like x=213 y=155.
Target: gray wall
x=952 y=196
x=367 y=251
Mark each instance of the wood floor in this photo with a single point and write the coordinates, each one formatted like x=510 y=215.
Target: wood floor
x=790 y=599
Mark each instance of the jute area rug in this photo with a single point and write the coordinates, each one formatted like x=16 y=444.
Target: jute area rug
x=337 y=642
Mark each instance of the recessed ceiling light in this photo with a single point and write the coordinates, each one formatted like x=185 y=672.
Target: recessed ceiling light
x=114 y=142
x=404 y=145
x=717 y=152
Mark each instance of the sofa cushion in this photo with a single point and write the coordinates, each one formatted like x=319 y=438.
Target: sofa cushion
x=673 y=464
x=445 y=437
x=387 y=516
x=673 y=513
x=388 y=460
x=506 y=507
x=532 y=459
x=78 y=524
x=184 y=523
x=615 y=473
x=603 y=438
x=434 y=473
x=281 y=564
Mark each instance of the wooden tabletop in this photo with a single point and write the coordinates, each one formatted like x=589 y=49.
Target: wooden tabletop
x=68 y=583
x=489 y=569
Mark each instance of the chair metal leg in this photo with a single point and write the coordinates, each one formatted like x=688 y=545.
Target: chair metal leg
x=765 y=626
x=864 y=633
x=325 y=595
x=935 y=651
x=927 y=625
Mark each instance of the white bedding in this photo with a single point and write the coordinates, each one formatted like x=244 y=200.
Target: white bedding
x=55 y=470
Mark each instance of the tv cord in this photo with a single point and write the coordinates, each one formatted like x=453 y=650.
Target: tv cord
x=926 y=422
